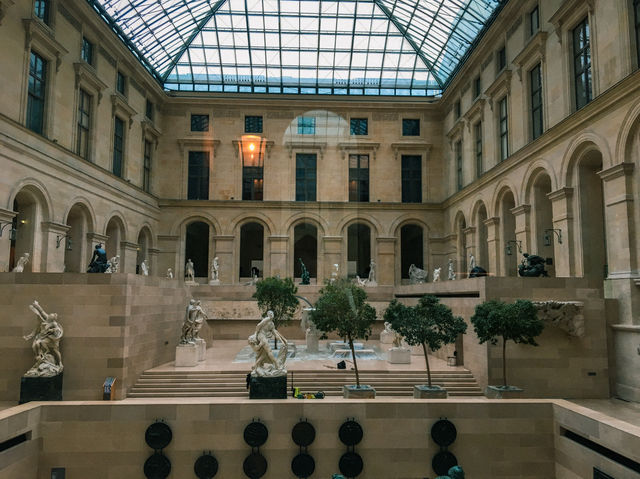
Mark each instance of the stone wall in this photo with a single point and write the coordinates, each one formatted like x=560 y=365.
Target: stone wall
x=114 y=325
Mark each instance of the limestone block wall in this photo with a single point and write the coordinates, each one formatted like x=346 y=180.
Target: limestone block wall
x=114 y=325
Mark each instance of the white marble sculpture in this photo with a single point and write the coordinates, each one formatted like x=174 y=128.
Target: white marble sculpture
x=144 y=268
x=452 y=273
x=417 y=275
x=266 y=364
x=215 y=266
x=312 y=335
x=253 y=281
x=436 y=274
x=334 y=273
x=46 y=344
x=189 y=272
x=371 y=280
x=19 y=267
x=113 y=265
x=472 y=261
x=169 y=273
x=193 y=320
x=387 y=335
x=360 y=282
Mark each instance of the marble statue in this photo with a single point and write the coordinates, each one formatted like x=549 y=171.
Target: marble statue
x=169 y=273
x=532 y=265
x=565 y=315
x=253 y=281
x=372 y=272
x=361 y=282
x=113 y=264
x=387 y=335
x=21 y=263
x=417 y=275
x=46 y=344
x=334 y=273
x=472 y=262
x=144 y=268
x=214 y=269
x=98 y=262
x=452 y=273
x=436 y=274
x=189 y=272
x=193 y=321
x=266 y=364
x=305 y=276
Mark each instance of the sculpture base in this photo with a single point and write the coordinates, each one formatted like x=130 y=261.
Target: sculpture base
x=268 y=387
x=399 y=356
x=312 y=342
x=186 y=355
x=503 y=392
x=421 y=391
x=41 y=389
x=190 y=283
x=201 y=349
x=354 y=392
x=214 y=282
x=386 y=337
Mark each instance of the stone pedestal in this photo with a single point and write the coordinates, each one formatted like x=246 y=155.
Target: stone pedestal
x=503 y=392
x=186 y=355
x=386 y=337
x=41 y=389
x=421 y=391
x=354 y=392
x=214 y=282
x=417 y=350
x=399 y=356
x=371 y=284
x=312 y=341
x=268 y=387
x=190 y=283
x=201 y=349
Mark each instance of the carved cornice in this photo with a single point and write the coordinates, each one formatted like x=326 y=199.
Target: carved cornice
x=560 y=194
x=493 y=221
x=456 y=131
x=500 y=86
x=520 y=210
x=616 y=171
x=348 y=147
x=119 y=105
x=202 y=143
x=41 y=34
x=149 y=129
x=414 y=146
x=565 y=13
x=236 y=147
x=87 y=74
x=475 y=112
x=129 y=245
x=7 y=215
x=53 y=227
x=318 y=146
x=93 y=236
x=532 y=53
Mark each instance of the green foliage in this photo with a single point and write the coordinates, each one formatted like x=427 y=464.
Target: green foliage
x=517 y=322
x=277 y=295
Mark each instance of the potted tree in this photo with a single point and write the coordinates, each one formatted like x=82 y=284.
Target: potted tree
x=277 y=295
x=429 y=324
x=517 y=322
x=341 y=308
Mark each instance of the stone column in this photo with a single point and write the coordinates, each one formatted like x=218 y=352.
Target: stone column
x=6 y=219
x=128 y=257
x=470 y=248
x=493 y=244
x=386 y=260
x=332 y=255
x=522 y=216
x=279 y=245
x=53 y=247
x=227 y=271
x=153 y=262
x=562 y=211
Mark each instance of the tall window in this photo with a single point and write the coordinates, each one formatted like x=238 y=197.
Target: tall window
x=458 y=153
x=636 y=9
x=252 y=182
x=359 y=178
x=502 y=59
x=118 y=146
x=198 y=186
x=456 y=110
x=36 y=95
x=535 y=80
x=504 y=129
x=253 y=124
x=121 y=83
x=199 y=122
x=146 y=167
x=41 y=10
x=84 y=124
x=477 y=87
x=305 y=177
x=410 y=127
x=148 y=110
x=477 y=133
x=306 y=125
x=87 y=51
x=359 y=126
x=411 y=179
x=582 y=64
x=534 y=21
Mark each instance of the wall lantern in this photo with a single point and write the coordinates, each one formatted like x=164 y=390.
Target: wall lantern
x=515 y=242
x=59 y=239
x=547 y=236
x=252 y=150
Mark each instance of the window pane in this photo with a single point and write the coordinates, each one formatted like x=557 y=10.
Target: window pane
x=146 y=173
x=504 y=130
x=198 y=182
x=253 y=124
x=306 y=125
x=36 y=93
x=582 y=64
x=83 y=127
x=118 y=146
x=305 y=177
x=87 y=51
x=410 y=127
x=199 y=122
x=359 y=178
x=478 y=141
x=41 y=10
x=534 y=21
x=359 y=126
x=535 y=77
x=120 y=83
x=411 y=179
x=636 y=7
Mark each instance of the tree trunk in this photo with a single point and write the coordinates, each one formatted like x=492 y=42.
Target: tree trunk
x=355 y=363
x=426 y=360
x=504 y=360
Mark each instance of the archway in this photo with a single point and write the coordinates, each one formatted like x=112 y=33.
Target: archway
x=511 y=254
x=482 y=235
x=592 y=223
x=251 y=250
x=76 y=246
x=543 y=243
x=411 y=248
x=197 y=247
x=358 y=250
x=31 y=209
x=115 y=235
x=144 y=243
x=305 y=246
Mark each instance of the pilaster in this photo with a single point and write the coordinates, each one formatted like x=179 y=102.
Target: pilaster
x=279 y=245
x=53 y=248
x=386 y=260
x=332 y=255
x=562 y=211
x=227 y=273
x=493 y=242
x=522 y=216
x=6 y=219
x=128 y=257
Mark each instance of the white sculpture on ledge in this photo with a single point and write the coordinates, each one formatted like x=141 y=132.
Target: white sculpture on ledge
x=189 y=272
x=436 y=274
x=417 y=275
x=472 y=262
x=452 y=273
x=371 y=280
x=215 y=267
x=193 y=321
x=46 y=344
x=144 y=268
x=19 y=267
x=113 y=264
x=169 y=273
x=334 y=273
x=266 y=364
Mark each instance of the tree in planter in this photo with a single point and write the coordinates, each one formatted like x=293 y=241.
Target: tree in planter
x=517 y=322
x=277 y=295
x=429 y=323
x=342 y=308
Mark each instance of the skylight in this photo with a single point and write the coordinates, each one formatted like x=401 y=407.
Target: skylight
x=356 y=47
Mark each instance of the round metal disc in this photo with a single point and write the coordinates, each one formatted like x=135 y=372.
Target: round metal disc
x=255 y=465
x=206 y=466
x=350 y=464
x=303 y=434
x=157 y=466
x=350 y=433
x=303 y=465
x=255 y=434
x=442 y=462
x=158 y=435
x=443 y=433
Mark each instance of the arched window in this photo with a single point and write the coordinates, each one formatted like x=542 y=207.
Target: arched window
x=411 y=248
x=251 y=250
x=358 y=250
x=197 y=247
x=305 y=247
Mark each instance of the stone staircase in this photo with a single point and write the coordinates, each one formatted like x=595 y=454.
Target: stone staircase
x=155 y=384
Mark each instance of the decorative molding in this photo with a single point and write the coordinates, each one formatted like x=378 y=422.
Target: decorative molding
x=412 y=146
x=53 y=227
x=129 y=245
x=319 y=146
x=86 y=73
x=4 y=6
x=534 y=52
x=493 y=221
x=7 y=215
x=42 y=35
x=476 y=112
x=347 y=147
x=560 y=194
x=456 y=131
x=566 y=11
x=502 y=84
x=149 y=129
x=73 y=21
x=520 y=210
x=616 y=171
x=565 y=315
x=100 y=238
x=191 y=143
x=120 y=105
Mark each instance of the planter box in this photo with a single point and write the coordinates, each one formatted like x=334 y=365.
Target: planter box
x=503 y=392
x=362 y=392
x=421 y=391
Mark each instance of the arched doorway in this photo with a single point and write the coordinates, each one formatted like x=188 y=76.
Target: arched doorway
x=76 y=254
x=592 y=222
x=197 y=247
x=115 y=235
x=511 y=254
x=31 y=208
x=482 y=235
x=411 y=248
x=358 y=250
x=305 y=246
x=144 y=243
x=251 y=250
x=543 y=243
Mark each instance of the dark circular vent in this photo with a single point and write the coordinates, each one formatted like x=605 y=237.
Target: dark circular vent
x=158 y=435
x=303 y=434
x=157 y=466
x=206 y=466
x=255 y=434
x=303 y=465
x=350 y=464
x=255 y=465
x=442 y=462
x=350 y=433
x=443 y=433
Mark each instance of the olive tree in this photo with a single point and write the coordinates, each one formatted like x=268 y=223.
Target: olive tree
x=277 y=295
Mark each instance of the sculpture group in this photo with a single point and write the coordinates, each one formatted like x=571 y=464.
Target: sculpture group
x=266 y=363
x=193 y=321
x=46 y=344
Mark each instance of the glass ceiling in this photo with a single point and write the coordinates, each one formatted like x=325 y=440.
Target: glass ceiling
x=360 y=47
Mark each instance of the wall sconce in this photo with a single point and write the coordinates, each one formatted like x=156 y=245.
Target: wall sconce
x=547 y=236
x=518 y=243
x=252 y=149
x=59 y=239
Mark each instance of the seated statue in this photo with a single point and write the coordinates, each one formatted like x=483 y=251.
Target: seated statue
x=113 y=264
x=477 y=272
x=21 y=263
x=436 y=274
x=532 y=266
x=305 y=276
x=266 y=364
x=98 y=262
x=417 y=275
x=46 y=344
